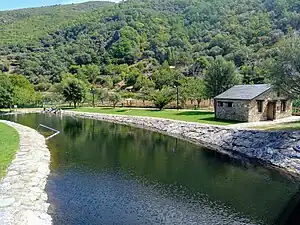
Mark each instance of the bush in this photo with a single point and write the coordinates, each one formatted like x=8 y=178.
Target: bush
x=163 y=97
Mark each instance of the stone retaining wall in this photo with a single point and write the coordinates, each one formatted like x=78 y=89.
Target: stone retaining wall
x=274 y=148
x=23 y=200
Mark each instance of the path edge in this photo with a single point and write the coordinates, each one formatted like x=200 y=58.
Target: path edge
x=23 y=199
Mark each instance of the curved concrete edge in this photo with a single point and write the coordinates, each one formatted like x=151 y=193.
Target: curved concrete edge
x=272 y=149
x=23 y=200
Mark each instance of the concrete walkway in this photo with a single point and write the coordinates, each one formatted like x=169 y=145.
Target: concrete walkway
x=252 y=125
x=23 y=200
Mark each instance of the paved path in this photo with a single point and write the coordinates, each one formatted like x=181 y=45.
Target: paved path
x=266 y=123
x=23 y=200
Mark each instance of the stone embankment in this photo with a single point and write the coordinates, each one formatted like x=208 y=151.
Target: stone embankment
x=275 y=148
x=23 y=200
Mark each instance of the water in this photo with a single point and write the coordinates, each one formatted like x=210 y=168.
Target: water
x=103 y=173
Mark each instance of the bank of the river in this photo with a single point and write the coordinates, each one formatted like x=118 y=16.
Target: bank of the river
x=198 y=116
x=274 y=148
x=23 y=200
x=9 y=144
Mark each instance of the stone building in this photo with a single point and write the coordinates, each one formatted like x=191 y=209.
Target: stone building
x=252 y=103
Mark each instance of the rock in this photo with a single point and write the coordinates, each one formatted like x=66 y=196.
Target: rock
x=4 y=202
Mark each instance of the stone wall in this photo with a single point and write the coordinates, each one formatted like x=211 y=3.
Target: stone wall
x=272 y=148
x=271 y=95
x=23 y=200
x=238 y=111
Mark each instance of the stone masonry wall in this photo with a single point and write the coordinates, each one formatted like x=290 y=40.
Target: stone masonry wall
x=254 y=115
x=238 y=111
x=273 y=148
x=23 y=200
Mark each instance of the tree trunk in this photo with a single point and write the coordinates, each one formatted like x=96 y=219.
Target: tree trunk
x=198 y=103
x=215 y=108
x=75 y=105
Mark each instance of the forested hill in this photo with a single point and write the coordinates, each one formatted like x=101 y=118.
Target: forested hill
x=44 y=43
x=28 y=25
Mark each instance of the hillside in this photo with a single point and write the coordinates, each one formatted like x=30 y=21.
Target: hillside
x=44 y=43
x=27 y=25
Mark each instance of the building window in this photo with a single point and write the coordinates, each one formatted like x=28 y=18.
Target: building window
x=283 y=106
x=229 y=104
x=220 y=104
x=260 y=106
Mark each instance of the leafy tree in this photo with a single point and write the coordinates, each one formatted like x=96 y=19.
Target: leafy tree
x=285 y=69
x=164 y=76
x=108 y=82
x=23 y=90
x=194 y=89
x=114 y=98
x=73 y=91
x=89 y=72
x=102 y=95
x=42 y=87
x=5 y=98
x=163 y=97
x=6 y=91
x=199 y=67
x=221 y=75
x=4 y=66
x=132 y=76
x=143 y=82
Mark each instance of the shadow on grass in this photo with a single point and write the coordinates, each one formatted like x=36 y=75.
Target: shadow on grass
x=122 y=110
x=105 y=108
x=194 y=113
x=68 y=108
x=213 y=119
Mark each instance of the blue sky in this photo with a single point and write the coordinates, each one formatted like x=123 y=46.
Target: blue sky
x=18 y=4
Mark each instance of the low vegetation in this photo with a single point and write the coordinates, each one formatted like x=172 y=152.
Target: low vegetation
x=204 y=117
x=147 y=50
x=9 y=144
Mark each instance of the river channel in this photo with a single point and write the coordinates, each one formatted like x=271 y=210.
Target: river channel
x=104 y=173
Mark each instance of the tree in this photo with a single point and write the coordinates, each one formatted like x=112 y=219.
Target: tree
x=198 y=68
x=163 y=97
x=114 y=98
x=6 y=90
x=73 y=91
x=164 y=76
x=102 y=95
x=5 y=98
x=194 y=89
x=143 y=82
x=89 y=72
x=284 y=71
x=221 y=75
x=23 y=90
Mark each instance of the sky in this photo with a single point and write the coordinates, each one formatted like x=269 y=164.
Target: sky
x=18 y=4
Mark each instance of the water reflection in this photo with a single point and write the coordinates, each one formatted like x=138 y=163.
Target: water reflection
x=103 y=173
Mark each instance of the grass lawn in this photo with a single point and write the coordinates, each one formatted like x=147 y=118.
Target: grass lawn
x=293 y=126
x=184 y=115
x=9 y=144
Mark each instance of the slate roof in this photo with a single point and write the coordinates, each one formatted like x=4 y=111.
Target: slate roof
x=244 y=92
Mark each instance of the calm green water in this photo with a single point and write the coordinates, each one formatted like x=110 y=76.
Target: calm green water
x=103 y=173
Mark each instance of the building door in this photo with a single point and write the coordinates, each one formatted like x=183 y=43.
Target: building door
x=271 y=111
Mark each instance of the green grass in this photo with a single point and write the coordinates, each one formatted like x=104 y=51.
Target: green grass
x=292 y=126
x=205 y=117
x=9 y=144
